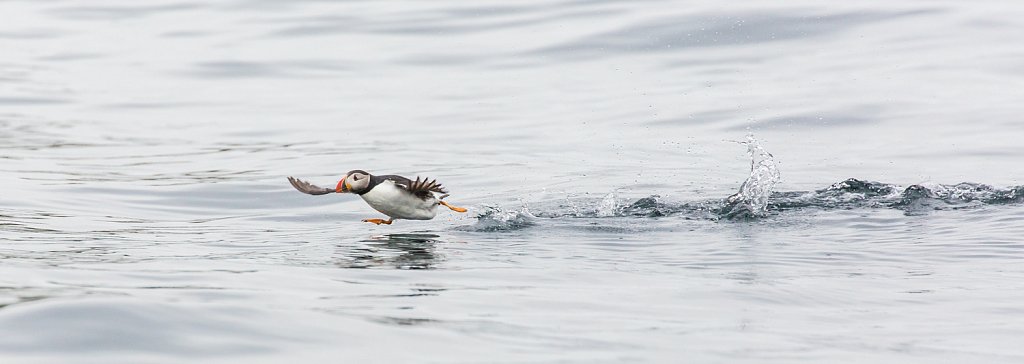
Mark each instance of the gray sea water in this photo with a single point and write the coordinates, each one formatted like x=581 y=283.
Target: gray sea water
x=618 y=211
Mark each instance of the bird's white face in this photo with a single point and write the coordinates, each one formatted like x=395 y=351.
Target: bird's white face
x=354 y=182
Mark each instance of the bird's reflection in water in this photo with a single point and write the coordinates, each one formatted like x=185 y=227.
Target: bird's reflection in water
x=402 y=251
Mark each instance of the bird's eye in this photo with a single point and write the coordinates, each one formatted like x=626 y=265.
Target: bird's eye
x=355 y=177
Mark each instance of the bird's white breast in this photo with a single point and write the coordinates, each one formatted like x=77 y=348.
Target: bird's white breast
x=398 y=203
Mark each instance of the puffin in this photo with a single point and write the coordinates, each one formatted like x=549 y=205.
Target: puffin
x=395 y=196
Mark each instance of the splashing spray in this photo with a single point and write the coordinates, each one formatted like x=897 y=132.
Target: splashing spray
x=608 y=206
x=752 y=198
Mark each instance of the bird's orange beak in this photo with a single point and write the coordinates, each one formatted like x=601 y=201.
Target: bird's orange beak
x=342 y=186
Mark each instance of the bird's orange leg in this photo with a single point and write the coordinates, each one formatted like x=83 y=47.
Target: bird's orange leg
x=379 y=221
x=456 y=209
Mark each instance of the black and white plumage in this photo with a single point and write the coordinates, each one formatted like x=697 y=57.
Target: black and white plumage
x=395 y=196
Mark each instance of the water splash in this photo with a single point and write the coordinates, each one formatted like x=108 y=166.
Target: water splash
x=919 y=199
x=494 y=218
x=757 y=199
x=608 y=206
x=914 y=199
x=752 y=199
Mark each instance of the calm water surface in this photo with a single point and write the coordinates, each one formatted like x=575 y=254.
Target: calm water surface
x=145 y=216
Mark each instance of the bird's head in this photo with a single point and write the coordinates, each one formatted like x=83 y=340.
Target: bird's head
x=356 y=181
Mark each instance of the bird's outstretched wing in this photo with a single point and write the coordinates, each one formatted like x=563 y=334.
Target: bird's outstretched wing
x=308 y=188
x=427 y=186
x=419 y=187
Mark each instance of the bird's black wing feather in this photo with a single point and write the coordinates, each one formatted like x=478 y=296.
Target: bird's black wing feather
x=308 y=188
x=420 y=187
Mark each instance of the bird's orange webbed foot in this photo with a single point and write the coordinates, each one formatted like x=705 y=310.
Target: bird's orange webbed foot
x=454 y=208
x=379 y=221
